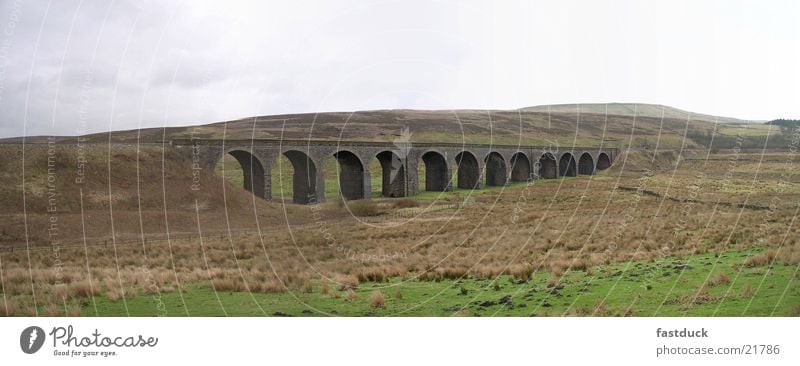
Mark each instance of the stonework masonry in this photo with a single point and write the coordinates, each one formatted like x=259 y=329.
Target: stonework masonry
x=474 y=165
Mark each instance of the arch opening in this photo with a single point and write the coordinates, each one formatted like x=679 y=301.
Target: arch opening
x=351 y=175
x=603 y=161
x=520 y=168
x=548 y=169
x=242 y=168
x=304 y=178
x=566 y=166
x=495 y=169
x=436 y=177
x=393 y=174
x=468 y=172
x=586 y=164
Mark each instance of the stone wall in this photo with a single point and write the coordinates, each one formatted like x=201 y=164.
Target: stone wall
x=446 y=165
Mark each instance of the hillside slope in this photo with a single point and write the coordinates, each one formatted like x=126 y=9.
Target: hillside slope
x=104 y=193
x=562 y=126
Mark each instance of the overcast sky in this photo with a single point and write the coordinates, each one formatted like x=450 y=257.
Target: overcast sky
x=69 y=66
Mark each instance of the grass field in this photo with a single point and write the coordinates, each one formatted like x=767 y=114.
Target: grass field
x=666 y=287
x=668 y=233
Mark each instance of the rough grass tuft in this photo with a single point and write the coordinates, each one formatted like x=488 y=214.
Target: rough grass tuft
x=364 y=208
x=377 y=300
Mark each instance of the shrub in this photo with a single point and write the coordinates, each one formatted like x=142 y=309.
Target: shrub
x=760 y=260
x=74 y=310
x=377 y=300
x=406 y=203
x=307 y=288
x=52 y=310
x=61 y=292
x=226 y=284
x=114 y=294
x=795 y=311
x=364 y=208
x=721 y=279
x=600 y=309
x=8 y=309
x=747 y=291
x=552 y=281
x=521 y=272
x=272 y=286
x=83 y=289
x=462 y=313
x=347 y=282
x=557 y=269
x=372 y=275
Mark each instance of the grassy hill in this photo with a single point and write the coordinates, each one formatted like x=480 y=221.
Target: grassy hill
x=649 y=236
x=653 y=125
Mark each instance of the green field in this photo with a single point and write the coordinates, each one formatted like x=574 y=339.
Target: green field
x=666 y=287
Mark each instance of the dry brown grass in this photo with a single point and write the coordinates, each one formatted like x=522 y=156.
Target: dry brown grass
x=364 y=208
x=522 y=272
x=761 y=260
x=405 y=203
x=553 y=281
x=346 y=282
x=8 y=309
x=748 y=291
x=721 y=278
x=83 y=288
x=480 y=240
x=377 y=300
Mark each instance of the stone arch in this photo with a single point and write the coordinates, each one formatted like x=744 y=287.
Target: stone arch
x=351 y=175
x=586 y=164
x=548 y=168
x=520 y=168
x=603 y=161
x=304 y=177
x=393 y=181
x=566 y=166
x=436 y=177
x=254 y=174
x=495 y=169
x=468 y=170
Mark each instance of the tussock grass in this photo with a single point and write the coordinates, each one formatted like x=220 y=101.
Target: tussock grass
x=495 y=236
x=364 y=208
x=377 y=300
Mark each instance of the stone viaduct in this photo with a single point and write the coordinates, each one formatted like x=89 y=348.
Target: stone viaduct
x=470 y=166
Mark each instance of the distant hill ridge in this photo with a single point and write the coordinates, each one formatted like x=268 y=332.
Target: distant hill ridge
x=628 y=109
x=610 y=125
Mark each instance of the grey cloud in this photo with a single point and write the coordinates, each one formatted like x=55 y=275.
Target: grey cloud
x=130 y=63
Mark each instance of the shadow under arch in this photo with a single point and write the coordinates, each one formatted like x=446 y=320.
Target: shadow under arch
x=393 y=174
x=436 y=177
x=548 y=168
x=468 y=172
x=520 y=168
x=351 y=175
x=254 y=179
x=603 y=161
x=495 y=169
x=586 y=164
x=566 y=166
x=304 y=178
